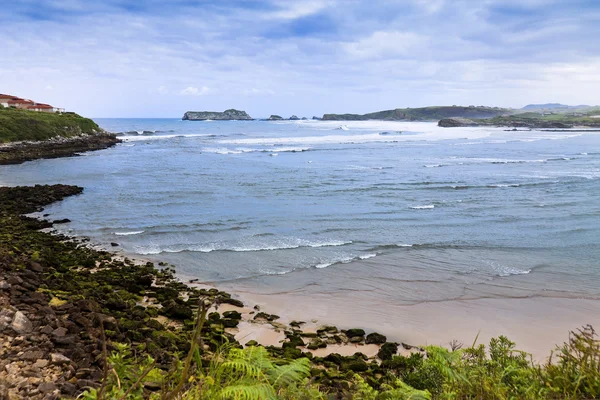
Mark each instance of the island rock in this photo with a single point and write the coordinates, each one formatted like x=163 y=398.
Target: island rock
x=275 y=118
x=227 y=115
x=294 y=118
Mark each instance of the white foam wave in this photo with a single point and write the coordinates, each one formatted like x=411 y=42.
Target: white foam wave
x=240 y=150
x=345 y=260
x=128 y=233
x=504 y=270
x=281 y=244
x=425 y=207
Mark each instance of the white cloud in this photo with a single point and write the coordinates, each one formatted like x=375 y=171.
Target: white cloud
x=258 y=92
x=194 y=91
x=384 y=44
x=298 y=10
x=162 y=90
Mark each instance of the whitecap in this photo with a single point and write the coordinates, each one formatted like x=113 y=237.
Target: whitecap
x=128 y=233
x=426 y=207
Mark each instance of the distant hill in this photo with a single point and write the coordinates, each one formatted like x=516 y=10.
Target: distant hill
x=552 y=106
x=423 y=114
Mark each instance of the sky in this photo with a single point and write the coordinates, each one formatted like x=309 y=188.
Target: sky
x=160 y=58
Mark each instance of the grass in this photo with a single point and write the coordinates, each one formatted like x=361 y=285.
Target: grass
x=25 y=125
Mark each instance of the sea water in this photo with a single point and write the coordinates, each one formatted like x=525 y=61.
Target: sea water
x=393 y=212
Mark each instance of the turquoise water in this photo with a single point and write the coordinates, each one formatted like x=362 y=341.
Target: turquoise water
x=413 y=212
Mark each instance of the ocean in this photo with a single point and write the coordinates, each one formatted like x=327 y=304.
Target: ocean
x=354 y=222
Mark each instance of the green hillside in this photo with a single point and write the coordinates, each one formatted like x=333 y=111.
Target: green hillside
x=19 y=125
x=423 y=114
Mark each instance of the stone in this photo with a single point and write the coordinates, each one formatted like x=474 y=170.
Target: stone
x=232 y=315
x=233 y=302
x=275 y=118
x=230 y=323
x=355 y=332
x=356 y=339
x=31 y=355
x=58 y=359
x=375 y=338
x=252 y=343
x=47 y=387
x=36 y=267
x=4 y=285
x=41 y=363
x=387 y=351
x=21 y=323
x=59 y=332
x=113 y=244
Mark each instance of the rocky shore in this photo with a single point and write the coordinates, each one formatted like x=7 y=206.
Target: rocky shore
x=64 y=306
x=19 y=152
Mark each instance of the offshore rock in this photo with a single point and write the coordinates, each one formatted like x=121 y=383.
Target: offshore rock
x=227 y=115
x=275 y=118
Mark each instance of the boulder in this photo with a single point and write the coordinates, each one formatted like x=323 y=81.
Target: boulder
x=20 y=323
x=387 y=351
x=375 y=338
x=355 y=332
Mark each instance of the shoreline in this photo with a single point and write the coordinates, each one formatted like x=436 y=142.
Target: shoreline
x=20 y=152
x=60 y=296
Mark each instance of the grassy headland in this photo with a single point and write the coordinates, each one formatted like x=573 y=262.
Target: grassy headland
x=28 y=135
x=557 y=120
x=422 y=114
x=24 y=125
x=77 y=320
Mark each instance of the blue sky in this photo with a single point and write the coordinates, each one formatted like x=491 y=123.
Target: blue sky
x=136 y=58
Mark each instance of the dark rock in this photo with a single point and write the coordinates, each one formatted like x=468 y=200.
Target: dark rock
x=178 y=311
x=233 y=302
x=375 y=338
x=252 y=343
x=35 y=267
x=61 y=221
x=230 y=323
x=68 y=389
x=294 y=118
x=232 y=315
x=275 y=118
x=47 y=387
x=265 y=316
x=113 y=244
x=354 y=332
x=387 y=351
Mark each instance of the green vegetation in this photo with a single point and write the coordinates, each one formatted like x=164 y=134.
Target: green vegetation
x=546 y=120
x=21 y=125
x=423 y=114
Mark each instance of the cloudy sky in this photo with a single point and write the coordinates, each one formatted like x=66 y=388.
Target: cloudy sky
x=158 y=58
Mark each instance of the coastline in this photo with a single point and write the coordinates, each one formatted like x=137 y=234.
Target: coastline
x=19 y=152
x=60 y=297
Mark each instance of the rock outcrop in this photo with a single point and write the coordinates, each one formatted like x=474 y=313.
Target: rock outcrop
x=275 y=118
x=227 y=115
x=294 y=118
x=18 y=152
x=455 y=122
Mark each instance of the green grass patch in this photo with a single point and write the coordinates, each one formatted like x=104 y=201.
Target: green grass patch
x=19 y=125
